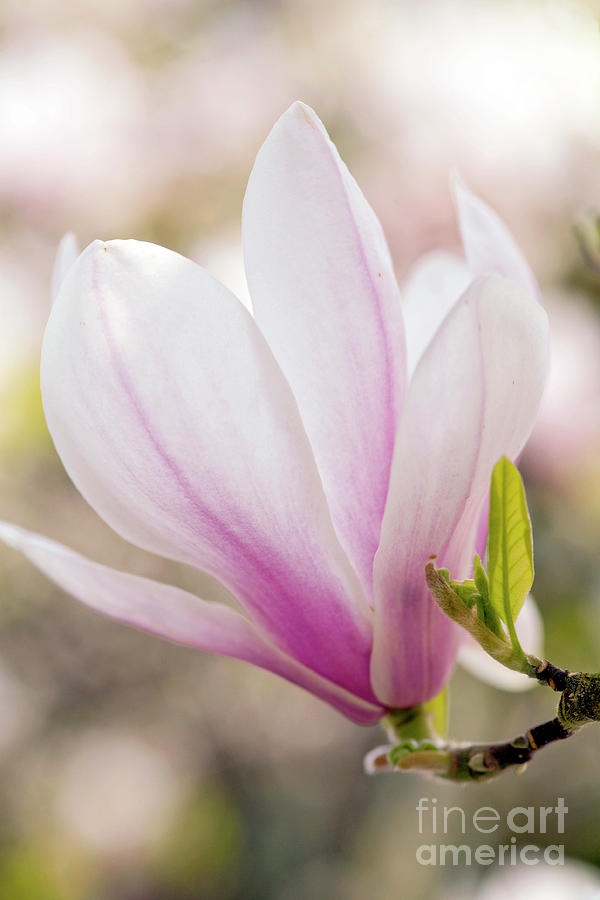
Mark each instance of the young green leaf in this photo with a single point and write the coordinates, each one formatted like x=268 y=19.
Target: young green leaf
x=497 y=646
x=510 y=549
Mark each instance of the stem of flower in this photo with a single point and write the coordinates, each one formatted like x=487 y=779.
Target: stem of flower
x=414 y=723
x=467 y=762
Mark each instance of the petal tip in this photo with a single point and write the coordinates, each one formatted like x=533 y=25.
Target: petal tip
x=94 y=248
x=301 y=113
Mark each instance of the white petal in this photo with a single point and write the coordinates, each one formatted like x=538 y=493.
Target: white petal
x=431 y=289
x=489 y=246
x=325 y=295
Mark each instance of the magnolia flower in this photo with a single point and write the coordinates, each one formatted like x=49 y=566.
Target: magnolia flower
x=565 y=444
x=312 y=457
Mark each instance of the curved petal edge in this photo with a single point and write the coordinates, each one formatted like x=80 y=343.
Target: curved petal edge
x=172 y=613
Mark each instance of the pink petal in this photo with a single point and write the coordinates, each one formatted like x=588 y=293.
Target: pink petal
x=174 y=614
x=488 y=244
x=473 y=398
x=325 y=296
x=175 y=423
x=431 y=289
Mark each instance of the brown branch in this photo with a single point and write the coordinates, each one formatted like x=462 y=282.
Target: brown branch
x=480 y=762
x=466 y=762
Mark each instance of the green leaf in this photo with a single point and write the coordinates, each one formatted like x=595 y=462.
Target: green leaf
x=510 y=549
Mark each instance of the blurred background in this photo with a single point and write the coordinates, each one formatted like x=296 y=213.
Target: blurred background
x=137 y=770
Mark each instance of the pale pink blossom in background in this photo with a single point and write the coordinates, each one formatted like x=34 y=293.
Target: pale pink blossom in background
x=564 y=448
x=572 y=881
x=116 y=793
x=71 y=134
x=506 y=92
x=22 y=307
x=301 y=457
x=217 y=100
